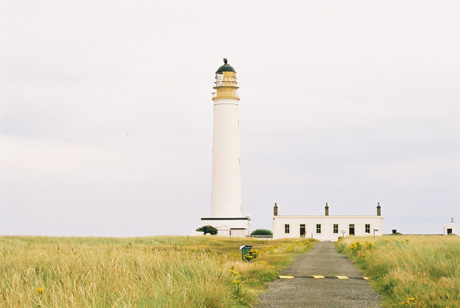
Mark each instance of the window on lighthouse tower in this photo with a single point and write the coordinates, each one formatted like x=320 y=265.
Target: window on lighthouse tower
x=219 y=78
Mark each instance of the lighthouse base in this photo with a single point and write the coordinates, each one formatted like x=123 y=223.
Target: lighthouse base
x=230 y=226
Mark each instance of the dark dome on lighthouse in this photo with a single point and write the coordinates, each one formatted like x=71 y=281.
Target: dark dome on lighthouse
x=225 y=68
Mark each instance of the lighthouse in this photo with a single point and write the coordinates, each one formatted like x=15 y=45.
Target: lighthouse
x=226 y=208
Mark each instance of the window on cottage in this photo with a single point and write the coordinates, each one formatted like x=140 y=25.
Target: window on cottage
x=336 y=228
x=286 y=228
x=318 y=228
x=367 y=228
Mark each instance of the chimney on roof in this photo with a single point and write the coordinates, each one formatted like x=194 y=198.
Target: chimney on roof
x=275 y=210
x=326 y=210
x=379 y=209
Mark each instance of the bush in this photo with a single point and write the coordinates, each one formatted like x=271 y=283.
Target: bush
x=261 y=232
x=208 y=229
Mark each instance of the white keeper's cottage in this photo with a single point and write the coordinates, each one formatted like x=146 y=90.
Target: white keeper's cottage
x=326 y=228
x=452 y=229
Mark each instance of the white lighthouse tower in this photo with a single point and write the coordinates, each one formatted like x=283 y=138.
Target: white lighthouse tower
x=226 y=209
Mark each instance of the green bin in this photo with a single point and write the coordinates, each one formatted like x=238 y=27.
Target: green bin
x=244 y=250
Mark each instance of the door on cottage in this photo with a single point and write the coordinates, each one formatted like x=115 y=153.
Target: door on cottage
x=351 y=229
x=302 y=230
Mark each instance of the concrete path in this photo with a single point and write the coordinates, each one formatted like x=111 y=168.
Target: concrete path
x=306 y=291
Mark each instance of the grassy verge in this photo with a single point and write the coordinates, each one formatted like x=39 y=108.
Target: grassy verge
x=409 y=271
x=138 y=272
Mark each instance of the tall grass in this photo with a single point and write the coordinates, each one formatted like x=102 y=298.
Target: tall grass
x=412 y=271
x=136 y=272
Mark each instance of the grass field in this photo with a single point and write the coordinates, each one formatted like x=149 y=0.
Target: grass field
x=138 y=272
x=410 y=271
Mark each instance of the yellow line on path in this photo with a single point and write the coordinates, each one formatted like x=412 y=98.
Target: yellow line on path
x=286 y=277
x=323 y=277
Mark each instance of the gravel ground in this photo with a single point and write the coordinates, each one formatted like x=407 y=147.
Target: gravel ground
x=317 y=293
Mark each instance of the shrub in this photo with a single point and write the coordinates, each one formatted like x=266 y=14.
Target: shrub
x=261 y=232
x=208 y=229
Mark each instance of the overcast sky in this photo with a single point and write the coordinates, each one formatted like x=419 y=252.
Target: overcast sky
x=106 y=112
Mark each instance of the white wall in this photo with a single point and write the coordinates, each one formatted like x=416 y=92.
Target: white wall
x=327 y=223
x=455 y=230
x=226 y=227
x=226 y=174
